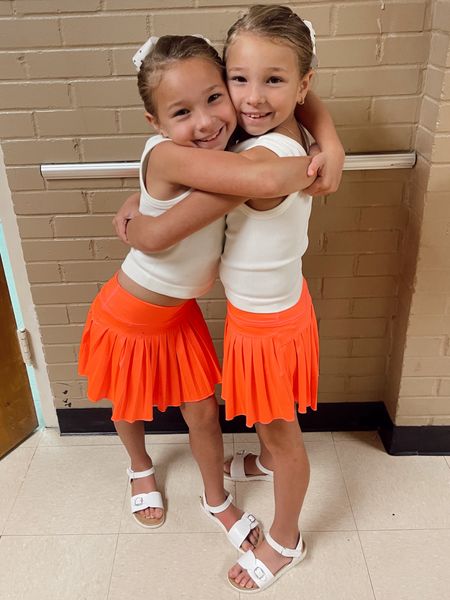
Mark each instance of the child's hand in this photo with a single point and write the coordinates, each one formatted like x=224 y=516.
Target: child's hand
x=328 y=167
x=128 y=210
x=142 y=233
x=314 y=150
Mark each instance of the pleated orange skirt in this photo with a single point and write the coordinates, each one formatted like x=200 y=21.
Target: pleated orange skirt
x=271 y=362
x=140 y=355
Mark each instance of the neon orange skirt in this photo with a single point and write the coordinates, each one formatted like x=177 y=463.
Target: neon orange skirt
x=271 y=362
x=140 y=355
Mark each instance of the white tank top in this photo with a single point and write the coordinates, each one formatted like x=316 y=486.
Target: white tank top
x=187 y=269
x=261 y=267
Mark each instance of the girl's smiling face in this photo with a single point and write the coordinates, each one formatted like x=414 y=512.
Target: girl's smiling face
x=264 y=82
x=193 y=105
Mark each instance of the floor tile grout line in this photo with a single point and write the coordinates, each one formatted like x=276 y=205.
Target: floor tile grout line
x=345 y=485
x=149 y=443
x=112 y=568
x=2 y=532
x=214 y=533
x=356 y=524
x=119 y=533
x=37 y=433
x=126 y=494
x=114 y=445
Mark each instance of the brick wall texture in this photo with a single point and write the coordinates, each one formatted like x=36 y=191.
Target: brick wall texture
x=68 y=94
x=418 y=391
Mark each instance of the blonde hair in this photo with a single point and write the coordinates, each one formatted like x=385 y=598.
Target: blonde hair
x=168 y=50
x=279 y=23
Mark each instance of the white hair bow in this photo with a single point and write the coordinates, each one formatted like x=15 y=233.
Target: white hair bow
x=144 y=51
x=146 y=48
x=313 y=41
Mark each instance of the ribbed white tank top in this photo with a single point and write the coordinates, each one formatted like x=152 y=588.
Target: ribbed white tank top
x=261 y=266
x=187 y=269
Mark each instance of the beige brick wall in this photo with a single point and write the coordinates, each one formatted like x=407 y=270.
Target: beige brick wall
x=419 y=391
x=68 y=93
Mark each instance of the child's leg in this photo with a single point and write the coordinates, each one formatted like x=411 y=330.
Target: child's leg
x=206 y=442
x=284 y=441
x=250 y=466
x=133 y=438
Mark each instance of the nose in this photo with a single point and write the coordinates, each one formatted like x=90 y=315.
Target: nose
x=204 y=120
x=255 y=96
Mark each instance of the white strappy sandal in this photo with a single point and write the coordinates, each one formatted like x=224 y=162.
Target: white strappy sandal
x=240 y=530
x=260 y=573
x=149 y=500
x=237 y=469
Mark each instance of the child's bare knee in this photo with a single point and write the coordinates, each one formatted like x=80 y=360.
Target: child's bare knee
x=281 y=436
x=202 y=416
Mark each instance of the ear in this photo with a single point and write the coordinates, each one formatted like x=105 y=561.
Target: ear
x=304 y=85
x=154 y=122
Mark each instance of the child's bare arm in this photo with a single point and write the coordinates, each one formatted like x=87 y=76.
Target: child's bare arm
x=151 y=234
x=154 y=234
x=329 y=162
x=227 y=172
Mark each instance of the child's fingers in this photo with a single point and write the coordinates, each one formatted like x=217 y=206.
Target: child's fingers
x=318 y=188
x=323 y=185
x=311 y=171
x=120 y=225
x=313 y=190
x=316 y=164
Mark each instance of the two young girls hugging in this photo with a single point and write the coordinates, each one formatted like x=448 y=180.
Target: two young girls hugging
x=242 y=213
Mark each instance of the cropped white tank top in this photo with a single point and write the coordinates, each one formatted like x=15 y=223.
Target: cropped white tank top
x=189 y=268
x=261 y=266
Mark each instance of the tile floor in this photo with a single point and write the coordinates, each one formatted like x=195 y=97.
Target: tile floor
x=377 y=526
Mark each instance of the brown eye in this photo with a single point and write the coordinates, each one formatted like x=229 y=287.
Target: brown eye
x=214 y=97
x=181 y=113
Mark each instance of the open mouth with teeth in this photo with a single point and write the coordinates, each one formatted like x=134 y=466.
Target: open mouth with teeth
x=210 y=138
x=256 y=116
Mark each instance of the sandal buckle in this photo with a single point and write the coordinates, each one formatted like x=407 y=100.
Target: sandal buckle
x=251 y=518
x=259 y=573
x=138 y=501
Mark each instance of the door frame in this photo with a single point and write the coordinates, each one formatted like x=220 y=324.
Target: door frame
x=24 y=309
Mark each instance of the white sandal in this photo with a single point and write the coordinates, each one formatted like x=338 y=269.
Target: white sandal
x=237 y=469
x=240 y=530
x=149 y=500
x=260 y=573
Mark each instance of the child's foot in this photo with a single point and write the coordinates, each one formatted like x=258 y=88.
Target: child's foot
x=246 y=467
x=265 y=553
x=229 y=517
x=143 y=486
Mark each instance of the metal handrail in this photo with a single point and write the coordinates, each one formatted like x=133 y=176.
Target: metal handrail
x=114 y=170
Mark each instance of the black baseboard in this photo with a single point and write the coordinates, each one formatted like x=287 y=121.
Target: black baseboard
x=330 y=417
x=423 y=440
x=364 y=416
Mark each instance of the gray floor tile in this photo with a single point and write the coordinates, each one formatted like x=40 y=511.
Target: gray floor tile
x=168 y=566
x=395 y=492
x=64 y=567
x=408 y=565
x=71 y=490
